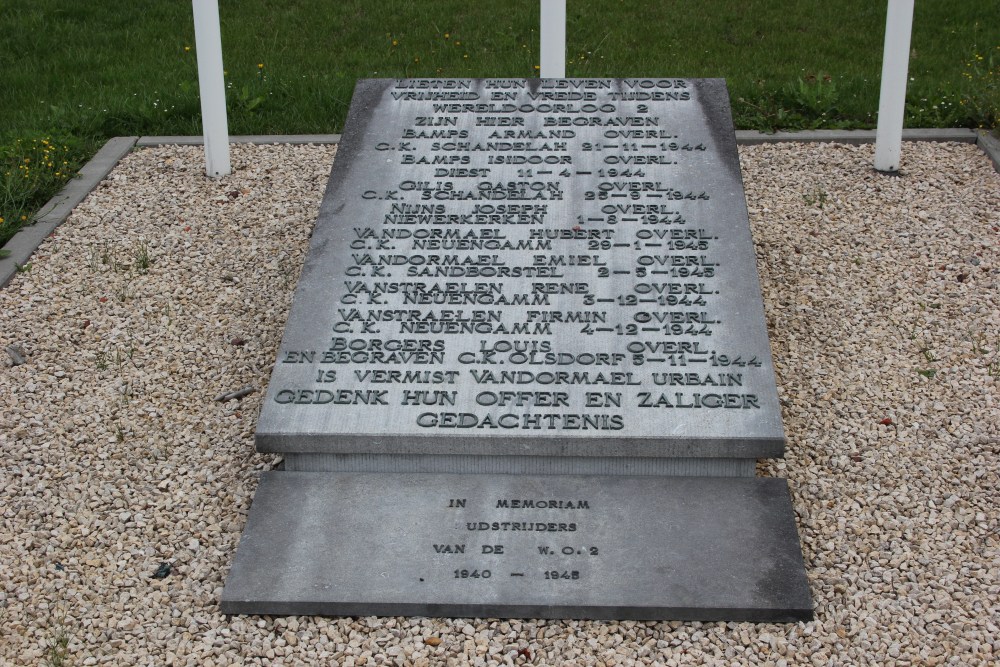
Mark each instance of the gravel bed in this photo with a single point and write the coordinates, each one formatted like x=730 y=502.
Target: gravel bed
x=165 y=289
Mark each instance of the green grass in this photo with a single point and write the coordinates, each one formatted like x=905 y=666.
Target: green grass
x=76 y=73
x=31 y=171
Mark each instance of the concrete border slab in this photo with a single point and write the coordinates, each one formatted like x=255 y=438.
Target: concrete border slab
x=242 y=139
x=855 y=137
x=990 y=144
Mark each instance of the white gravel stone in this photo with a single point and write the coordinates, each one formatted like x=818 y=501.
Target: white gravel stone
x=165 y=289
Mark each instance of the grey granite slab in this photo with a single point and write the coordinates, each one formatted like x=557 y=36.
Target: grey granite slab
x=515 y=267
x=680 y=548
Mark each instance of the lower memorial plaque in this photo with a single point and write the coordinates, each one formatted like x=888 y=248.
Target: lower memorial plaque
x=526 y=370
x=528 y=546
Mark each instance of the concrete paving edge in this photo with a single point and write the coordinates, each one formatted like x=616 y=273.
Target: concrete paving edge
x=854 y=136
x=59 y=207
x=145 y=142
x=742 y=137
x=989 y=144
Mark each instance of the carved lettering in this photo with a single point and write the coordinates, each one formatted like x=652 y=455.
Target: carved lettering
x=530 y=257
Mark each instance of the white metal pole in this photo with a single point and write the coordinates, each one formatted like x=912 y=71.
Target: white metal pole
x=892 y=97
x=553 y=39
x=212 y=87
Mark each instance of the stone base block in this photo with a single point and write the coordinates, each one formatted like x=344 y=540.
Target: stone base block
x=508 y=546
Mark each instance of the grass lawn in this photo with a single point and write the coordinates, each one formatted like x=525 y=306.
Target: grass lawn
x=74 y=73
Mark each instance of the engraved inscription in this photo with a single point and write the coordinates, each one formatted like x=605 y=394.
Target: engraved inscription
x=533 y=545
x=535 y=258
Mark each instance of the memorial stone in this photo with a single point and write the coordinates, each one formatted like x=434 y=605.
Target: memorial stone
x=527 y=305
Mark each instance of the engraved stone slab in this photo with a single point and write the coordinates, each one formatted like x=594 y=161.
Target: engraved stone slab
x=530 y=267
x=683 y=548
